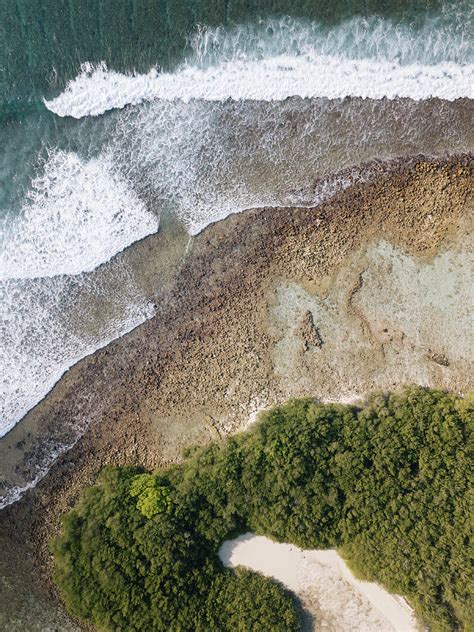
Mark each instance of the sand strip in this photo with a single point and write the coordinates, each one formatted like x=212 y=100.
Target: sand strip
x=344 y=602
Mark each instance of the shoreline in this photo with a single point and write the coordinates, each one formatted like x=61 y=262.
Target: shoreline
x=233 y=335
x=176 y=245
x=345 y=604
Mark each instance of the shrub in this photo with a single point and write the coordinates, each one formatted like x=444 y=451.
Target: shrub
x=388 y=484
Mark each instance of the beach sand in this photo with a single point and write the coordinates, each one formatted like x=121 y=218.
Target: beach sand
x=335 y=599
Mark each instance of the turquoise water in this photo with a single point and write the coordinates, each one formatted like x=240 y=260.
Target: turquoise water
x=113 y=113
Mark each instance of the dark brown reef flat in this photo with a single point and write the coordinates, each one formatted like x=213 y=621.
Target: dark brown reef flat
x=368 y=291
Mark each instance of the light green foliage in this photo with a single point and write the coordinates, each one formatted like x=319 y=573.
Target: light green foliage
x=387 y=484
x=152 y=497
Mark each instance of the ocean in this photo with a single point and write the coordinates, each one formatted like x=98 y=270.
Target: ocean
x=117 y=114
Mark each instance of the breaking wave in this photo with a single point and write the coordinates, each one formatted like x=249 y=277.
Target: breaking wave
x=76 y=215
x=275 y=59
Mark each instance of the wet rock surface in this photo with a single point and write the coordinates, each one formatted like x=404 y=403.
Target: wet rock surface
x=370 y=290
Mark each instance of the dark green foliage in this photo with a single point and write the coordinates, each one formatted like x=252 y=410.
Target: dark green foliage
x=412 y=535
x=387 y=484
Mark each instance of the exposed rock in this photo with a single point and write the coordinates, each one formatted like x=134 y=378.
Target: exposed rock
x=439 y=358
x=226 y=340
x=308 y=332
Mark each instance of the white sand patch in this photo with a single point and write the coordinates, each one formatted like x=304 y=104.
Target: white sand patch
x=346 y=399
x=344 y=603
x=255 y=414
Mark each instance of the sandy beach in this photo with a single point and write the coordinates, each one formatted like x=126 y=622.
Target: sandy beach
x=335 y=599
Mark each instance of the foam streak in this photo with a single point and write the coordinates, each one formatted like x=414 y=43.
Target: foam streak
x=94 y=92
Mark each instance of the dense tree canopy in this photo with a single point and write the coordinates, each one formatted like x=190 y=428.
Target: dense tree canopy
x=387 y=484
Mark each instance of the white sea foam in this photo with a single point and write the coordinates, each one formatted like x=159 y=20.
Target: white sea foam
x=278 y=59
x=272 y=79
x=212 y=159
x=77 y=215
x=49 y=324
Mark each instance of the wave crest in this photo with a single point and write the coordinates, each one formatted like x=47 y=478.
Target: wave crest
x=276 y=59
x=77 y=215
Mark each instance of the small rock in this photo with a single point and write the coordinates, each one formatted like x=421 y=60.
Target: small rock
x=308 y=332
x=439 y=358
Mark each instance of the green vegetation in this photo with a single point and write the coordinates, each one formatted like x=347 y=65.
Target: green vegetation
x=388 y=484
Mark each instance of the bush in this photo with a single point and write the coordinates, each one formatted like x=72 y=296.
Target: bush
x=387 y=484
